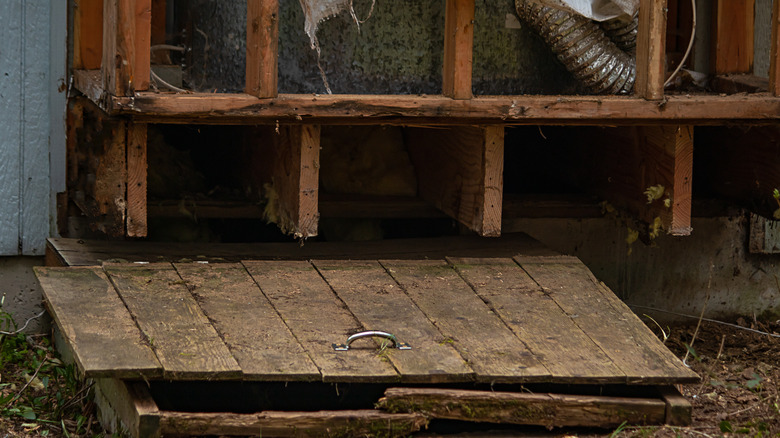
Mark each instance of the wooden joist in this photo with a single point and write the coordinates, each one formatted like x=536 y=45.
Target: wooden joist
x=262 y=48
x=650 y=52
x=460 y=171
x=458 y=48
x=645 y=170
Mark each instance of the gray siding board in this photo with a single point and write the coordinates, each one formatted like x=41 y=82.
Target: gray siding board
x=24 y=126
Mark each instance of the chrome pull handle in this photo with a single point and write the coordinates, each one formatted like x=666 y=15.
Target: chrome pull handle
x=372 y=333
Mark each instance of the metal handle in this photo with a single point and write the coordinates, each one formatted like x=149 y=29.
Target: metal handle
x=372 y=333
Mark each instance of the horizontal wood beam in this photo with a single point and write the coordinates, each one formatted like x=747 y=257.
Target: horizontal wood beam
x=460 y=171
x=762 y=108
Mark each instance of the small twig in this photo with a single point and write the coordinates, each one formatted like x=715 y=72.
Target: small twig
x=720 y=350
x=35 y=374
x=26 y=323
x=741 y=410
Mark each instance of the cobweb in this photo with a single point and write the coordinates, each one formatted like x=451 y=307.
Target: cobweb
x=317 y=11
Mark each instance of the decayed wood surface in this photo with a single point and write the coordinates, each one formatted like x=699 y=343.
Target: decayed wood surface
x=187 y=346
x=467 y=319
x=458 y=48
x=567 y=351
x=318 y=319
x=650 y=50
x=492 y=350
x=550 y=410
x=379 y=303
x=137 y=225
x=611 y=325
x=293 y=424
x=678 y=409
x=441 y=110
x=262 y=47
x=460 y=171
x=95 y=324
x=127 y=406
x=257 y=337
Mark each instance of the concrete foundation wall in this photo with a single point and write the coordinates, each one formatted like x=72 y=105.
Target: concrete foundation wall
x=710 y=268
x=21 y=292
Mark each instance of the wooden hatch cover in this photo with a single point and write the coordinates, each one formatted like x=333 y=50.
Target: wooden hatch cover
x=503 y=311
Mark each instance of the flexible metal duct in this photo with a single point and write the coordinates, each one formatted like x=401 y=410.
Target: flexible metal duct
x=583 y=47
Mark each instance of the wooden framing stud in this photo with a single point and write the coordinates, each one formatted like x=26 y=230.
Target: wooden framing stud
x=650 y=52
x=262 y=47
x=774 y=54
x=126 y=45
x=458 y=48
x=136 y=180
x=87 y=34
x=460 y=171
x=645 y=170
x=732 y=37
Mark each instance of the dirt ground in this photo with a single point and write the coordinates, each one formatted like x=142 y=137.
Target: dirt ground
x=738 y=394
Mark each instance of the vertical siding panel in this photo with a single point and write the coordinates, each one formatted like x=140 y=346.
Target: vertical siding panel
x=35 y=127
x=10 y=125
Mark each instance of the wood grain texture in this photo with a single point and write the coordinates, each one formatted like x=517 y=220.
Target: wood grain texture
x=96 y=325
x=552 y=335
x=404 y=110
x=774 y=52
x=257 y=337
x=295 y=179
x=460 y=171
x=262 y=48
x=379 y=303
x=187 y=346
x=126 y=43
x=650 y=50
x=293 y=424
x=318 y=319
x=679 y=411
x=732 y=36
x=494 y=353
x=87 y=34
x=458 y=48
x=549 y=410
x=611 y=325
x=137 y=225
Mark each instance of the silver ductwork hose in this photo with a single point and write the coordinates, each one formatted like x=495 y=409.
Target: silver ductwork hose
x=583 y=46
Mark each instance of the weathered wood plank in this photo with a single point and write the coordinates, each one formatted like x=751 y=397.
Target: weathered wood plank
x=460 y=171
x=492 y=350
x=458 y=48
x=679 y=411
x=127 y=407
x=293 y=424
x=372 y=109
x=96 y=325
x=137 y=225
x=126 y=43
x=87 y=34
x=549 y=410
x=318 y=319
x=257 y=337
x=611 y=324
x=187 y=346
x=650 y=50
x=380 y=304
x=553 y=337
x=732 y=36
x=262 y=48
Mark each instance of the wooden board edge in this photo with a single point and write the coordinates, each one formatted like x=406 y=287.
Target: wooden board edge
x=276 y=423
x=679 y=411
x=127 y=407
